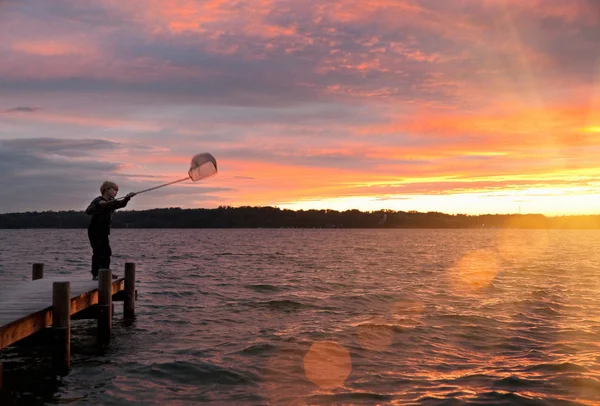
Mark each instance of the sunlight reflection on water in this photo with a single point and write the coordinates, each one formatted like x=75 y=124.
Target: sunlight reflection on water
x=332 y=316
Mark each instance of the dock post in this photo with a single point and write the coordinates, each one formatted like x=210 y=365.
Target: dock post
x=104 y=306
x=61 y=326
x=37 y=271
x=129 y=302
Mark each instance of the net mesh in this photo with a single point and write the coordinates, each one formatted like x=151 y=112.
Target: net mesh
x=203 y=165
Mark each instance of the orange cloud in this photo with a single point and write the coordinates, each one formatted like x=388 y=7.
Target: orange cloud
x=53 y=47
x=180 y=17
x=85 y=120
x=580 y=11
x=513 y=128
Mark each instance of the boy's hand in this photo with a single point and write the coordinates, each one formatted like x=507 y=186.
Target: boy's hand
x=130 y=195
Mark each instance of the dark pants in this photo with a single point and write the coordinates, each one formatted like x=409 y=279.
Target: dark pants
x=101 y=252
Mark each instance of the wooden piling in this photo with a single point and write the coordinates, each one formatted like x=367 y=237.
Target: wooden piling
x=37 y=271
x=104 y=306
x=61 y=326
x=30 y=307
x=129 y=302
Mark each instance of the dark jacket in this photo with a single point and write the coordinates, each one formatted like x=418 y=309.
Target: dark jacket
x=102 y=214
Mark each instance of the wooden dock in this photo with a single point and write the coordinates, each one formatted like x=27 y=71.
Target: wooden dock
x=28 y=307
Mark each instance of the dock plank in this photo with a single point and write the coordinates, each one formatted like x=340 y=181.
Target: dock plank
x=26 y=307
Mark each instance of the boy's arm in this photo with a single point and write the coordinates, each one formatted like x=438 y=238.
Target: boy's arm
x=122 y=203
x=94 y=207
x=115 y=204
x=126 y=199
x=90 y=209
x=99 y=206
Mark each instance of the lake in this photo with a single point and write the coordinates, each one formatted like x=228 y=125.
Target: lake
x=326 y=316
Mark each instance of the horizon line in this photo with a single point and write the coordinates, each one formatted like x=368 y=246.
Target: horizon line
x=328 y=210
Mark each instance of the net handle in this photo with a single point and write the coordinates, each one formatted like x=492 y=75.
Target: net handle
x=156 y=187
x=197 y=161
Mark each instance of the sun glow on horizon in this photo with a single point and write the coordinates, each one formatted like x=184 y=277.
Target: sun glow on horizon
x=547 y=201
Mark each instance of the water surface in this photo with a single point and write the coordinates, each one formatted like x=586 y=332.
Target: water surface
x=269 y=316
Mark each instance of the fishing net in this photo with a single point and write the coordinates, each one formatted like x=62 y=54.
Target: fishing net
x=203 y=165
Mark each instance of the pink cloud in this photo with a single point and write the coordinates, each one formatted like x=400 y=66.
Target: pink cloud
x=314 y=99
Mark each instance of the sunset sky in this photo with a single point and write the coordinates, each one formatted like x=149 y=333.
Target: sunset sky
x=462 y=106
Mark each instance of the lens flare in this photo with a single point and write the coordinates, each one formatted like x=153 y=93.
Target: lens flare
x=474 y=271
x=327 y=364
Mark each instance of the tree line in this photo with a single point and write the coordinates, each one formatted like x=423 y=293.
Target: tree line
x=273 y=217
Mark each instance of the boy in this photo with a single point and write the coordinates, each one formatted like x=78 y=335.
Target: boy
x=101 y=209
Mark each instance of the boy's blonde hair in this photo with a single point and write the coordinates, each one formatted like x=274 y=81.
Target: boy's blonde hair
x=108 y=185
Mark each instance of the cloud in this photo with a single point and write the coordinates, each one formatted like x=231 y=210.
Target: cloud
x=22 y=110
x=48 y=173
x=37 y=172
x=474 y=186
x=287 y=54
x=26 y=159
x=271 y=59
x=299 y=99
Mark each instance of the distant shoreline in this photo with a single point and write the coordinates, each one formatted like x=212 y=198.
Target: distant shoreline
x=272 y=217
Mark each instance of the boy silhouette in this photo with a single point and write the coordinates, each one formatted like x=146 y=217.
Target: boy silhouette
x=101 y=210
